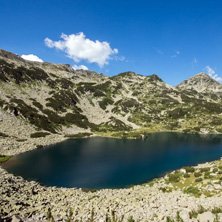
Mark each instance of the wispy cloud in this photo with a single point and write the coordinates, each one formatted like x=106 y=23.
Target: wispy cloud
x=211 y=72
x=76 y=67
x=120 y=58
x=177 y=53
x=159 y=51
x=32 y=57
x=195 y=61
x=78 y=48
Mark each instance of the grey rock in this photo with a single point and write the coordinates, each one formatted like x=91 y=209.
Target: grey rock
x=206 y=217
x=16 y=218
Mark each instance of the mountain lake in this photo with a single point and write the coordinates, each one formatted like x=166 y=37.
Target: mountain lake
x=98 y=162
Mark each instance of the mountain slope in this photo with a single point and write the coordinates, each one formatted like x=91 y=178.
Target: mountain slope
x=56 y=99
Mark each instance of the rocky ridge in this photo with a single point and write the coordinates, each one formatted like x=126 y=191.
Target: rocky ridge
x=56 y=99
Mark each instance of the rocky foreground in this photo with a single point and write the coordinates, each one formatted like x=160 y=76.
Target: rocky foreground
x=193 y=194
x=189 y=194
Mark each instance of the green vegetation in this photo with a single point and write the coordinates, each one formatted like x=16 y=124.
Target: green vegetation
x=19 y=108
x=189 y=169
x=174 y=178
x=79 y=120
x=62 y=100
x=4 y=158
x=105 y=102
x=186 y=175
x=65 y=83
x=192 y=190
x=49 y=216
x=206 y=169
x=113 y=125
x=177 y=219
x=130 y=134
x=217 y=210
x=215 y=170
x=96 y=196
x=21 y=140
x=78 y=135
x=194 y=213
x=198 y=180
x=39 y=134
x=69 y=215
x=197 y=174
x=21 y=74
x=216 y=219
x=86 y=190
x=37 y=104
x=166 y=189
x=3 y=135
x=125 y=104
x=112 y=217
x=96 y=90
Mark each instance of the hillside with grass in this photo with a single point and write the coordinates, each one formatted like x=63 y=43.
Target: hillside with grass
x=55 y=99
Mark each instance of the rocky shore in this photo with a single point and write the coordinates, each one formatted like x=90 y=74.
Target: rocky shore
x=154 y=201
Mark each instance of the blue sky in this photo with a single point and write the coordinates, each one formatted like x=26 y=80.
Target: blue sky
x=173 y=39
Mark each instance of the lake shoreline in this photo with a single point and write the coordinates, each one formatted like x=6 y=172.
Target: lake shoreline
x=21 y=193
x=72 y=198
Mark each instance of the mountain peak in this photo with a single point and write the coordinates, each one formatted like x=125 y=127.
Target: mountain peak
x=202 y=75
x=155 y=77
x=201 y=82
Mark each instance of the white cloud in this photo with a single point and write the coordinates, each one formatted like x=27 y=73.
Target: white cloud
x=78 y=47
x=75 y=67
x=177 y=53
x=211 y=73
x=32 y=57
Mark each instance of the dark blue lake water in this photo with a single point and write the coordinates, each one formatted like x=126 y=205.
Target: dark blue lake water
x=114 y=163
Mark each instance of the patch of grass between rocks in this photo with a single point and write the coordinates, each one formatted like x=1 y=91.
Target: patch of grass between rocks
x=39 y=134
x=78 y=135
x=4 y=158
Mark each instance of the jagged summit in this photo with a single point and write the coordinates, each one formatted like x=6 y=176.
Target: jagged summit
x=154 y=77
x=202 y=74
x=201 y=82
x=127 y=76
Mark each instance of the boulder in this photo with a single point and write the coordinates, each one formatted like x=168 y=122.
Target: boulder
x=217 y=186
x=16 y=218
x=205 y=217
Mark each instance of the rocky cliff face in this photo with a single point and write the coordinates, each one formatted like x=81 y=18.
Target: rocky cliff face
x=54 y=98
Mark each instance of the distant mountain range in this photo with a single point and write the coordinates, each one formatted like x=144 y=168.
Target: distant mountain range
x=56 y=99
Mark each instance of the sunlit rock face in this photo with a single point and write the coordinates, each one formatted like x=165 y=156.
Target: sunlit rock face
x=201 y=82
